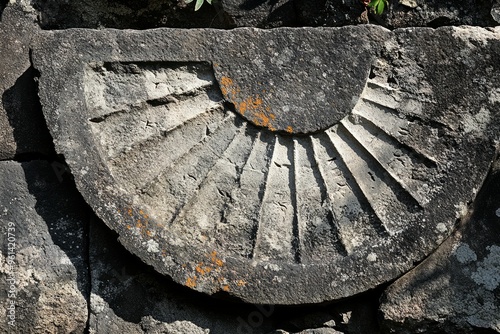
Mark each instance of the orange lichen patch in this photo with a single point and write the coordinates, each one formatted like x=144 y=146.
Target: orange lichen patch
x=225 y=288
x=250 y=104
x=129 y=227
x=227 y=86
x=264 y=120
x=241 y=282
x=202 y=269
x=215 y=260
x=129 y=211
x=289 y=129
x=191 y=282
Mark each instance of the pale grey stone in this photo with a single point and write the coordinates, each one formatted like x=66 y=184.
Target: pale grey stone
x=256 y=163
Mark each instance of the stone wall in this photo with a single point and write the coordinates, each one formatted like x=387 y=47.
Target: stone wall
x=63 y=270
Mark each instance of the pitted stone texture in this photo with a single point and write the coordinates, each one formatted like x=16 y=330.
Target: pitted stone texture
x=457 y=288
x=42 y=219
x=128 y=296
x=151 y=125
x=399 y=13
x=22 y=128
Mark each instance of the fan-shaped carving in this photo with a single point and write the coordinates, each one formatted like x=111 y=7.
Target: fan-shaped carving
x=210 y=177
x=223 y=178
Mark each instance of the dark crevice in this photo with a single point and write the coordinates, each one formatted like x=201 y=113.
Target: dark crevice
x=3 y=4
x=86 y=252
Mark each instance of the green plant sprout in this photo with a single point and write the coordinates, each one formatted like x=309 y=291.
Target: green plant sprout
x=377 y=5
x=198 y=4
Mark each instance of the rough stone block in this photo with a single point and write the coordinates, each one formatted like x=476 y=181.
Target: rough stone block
x=43 y=251
x=283 y=166
x=130 y=297
x=22 y=127
x=457 y=289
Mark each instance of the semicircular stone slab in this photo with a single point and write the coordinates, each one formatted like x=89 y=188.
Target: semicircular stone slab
x=284 y=166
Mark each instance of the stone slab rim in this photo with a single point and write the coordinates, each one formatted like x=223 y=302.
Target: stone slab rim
x=212 y=269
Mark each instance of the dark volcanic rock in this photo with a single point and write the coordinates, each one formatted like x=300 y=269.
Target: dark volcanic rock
x=42 y=219
x=272 y=165
x=457 y=289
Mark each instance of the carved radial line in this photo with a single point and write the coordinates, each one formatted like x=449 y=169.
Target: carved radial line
x=243 y=214
x=357 y=220
x=123 y=132
x=297 y=231
x=146 y=160
x=277 y=211
x=388 y=121
x=390 y=201
x=359 y=172
x=361 y=135
x=326 y=194
x=262 y=198
x=206 y=207
x=170 y=190
x=427 y=161
x=105 y=91
x=320 y=234
x=161 y=101
x=382 y=95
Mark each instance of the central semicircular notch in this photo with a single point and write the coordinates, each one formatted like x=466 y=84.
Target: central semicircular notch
x=275 y=111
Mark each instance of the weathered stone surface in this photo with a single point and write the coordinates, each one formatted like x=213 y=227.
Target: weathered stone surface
x=437 y=13
x=42 y=265
x=457 y=289
x=130 y=297
x=271 y=168
x=399 y=14
x=22 y=127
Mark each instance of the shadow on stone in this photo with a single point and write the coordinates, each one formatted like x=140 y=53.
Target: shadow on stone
x=3 y=4
x=24 y=113
x=457 y=288
x=131 y=296
x=64 y=211
x=126 y=292
x=129 y=14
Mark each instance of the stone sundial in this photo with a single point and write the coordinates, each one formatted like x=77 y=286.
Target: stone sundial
x=283 y=166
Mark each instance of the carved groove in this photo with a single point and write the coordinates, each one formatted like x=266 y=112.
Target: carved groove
x=260 y=195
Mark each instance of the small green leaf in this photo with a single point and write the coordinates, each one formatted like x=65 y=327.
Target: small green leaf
x=198 y=5
x=378 y=6
x=209 y=1
x=188 y=1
